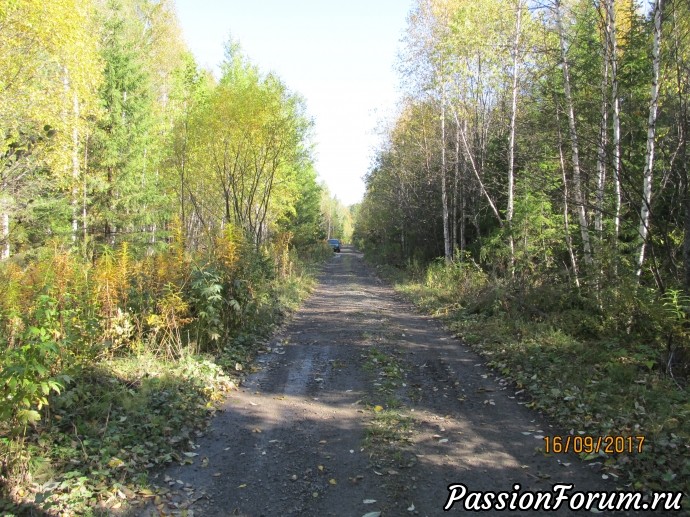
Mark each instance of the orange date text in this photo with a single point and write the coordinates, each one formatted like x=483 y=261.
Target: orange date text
x=584 y=444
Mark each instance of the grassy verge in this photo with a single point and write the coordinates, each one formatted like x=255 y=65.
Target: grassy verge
x=589 y=377
x=114 y=421
x=111 y=425
x=387 y=435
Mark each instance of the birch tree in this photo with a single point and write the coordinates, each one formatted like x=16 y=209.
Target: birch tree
x=49 y=74
x=574 y=143
x=645 y=209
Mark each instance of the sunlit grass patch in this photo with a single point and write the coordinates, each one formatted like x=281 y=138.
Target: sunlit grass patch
x=386 y=367
x=388 y=427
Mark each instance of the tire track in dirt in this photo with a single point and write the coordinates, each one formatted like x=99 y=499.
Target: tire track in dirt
x=292 y=440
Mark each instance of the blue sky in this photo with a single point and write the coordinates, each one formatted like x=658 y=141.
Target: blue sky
x=339 y=56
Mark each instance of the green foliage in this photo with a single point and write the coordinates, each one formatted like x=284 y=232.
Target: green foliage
x=255 y=119
x=305 y=223
x=27 y=372
x=113 y=422
x=122 y=245
x=206 y=294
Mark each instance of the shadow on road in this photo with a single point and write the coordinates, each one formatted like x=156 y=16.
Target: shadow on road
x=293 y=440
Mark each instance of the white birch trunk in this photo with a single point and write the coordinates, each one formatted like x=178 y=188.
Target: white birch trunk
x=447 y=248
x=616 y=115
x=577 y=181
x=470 y=158
x=456 y=180
x=510 y=208
x=4 y=230
x=566 y=210
x=651 y=134
x=601 y=151
x=75 y=168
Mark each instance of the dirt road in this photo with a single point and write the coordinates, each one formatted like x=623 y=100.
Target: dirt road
x=361 y=405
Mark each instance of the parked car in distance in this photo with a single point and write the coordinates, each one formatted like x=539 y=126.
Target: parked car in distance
x=335 y=244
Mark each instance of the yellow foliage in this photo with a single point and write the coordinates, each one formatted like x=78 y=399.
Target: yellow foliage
x=281 y=252
x=112 y=280
x=625 y=12
x=48 y=59
x=229 y=247
x=173 y=314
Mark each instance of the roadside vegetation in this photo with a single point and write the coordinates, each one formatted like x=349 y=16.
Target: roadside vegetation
x=92 y=400
x=141 y=269
x=533 y=193
x=589 y=373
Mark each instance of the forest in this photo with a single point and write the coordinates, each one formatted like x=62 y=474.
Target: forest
x=533 y=192
x=155 y=222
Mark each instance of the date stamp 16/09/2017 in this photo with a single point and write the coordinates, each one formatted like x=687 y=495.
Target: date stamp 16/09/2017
x=586 y=444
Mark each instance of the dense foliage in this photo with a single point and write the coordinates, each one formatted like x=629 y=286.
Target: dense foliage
x=149 y=213
x=541 y=152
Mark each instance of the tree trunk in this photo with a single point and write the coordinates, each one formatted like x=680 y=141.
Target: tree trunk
x=682 y=123
x=511 y=146
x=686 y=218
x=447 y=248
x=84 y=221
x=601 y=150
x=566 y=222
x=577 y=181
x=463 y=193
x=468 y=152
x=4 y=229
x=456 y=181
x=645 y=210
x=75 y=168
x=616 y=115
